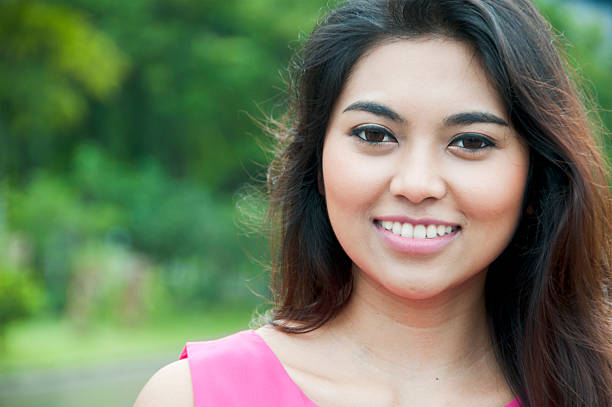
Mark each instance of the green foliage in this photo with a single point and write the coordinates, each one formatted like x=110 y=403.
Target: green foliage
x=197 y=69
x=55 y=64
x=19 y=295
x=588 y=46
x=167 y=218
x=104 y=232
x=50 y=212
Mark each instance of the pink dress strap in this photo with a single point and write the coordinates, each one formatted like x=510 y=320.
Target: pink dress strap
x=242 y=370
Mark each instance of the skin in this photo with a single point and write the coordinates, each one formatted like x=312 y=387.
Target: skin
x=422 y=171
x=170 y=386
x=415 y=331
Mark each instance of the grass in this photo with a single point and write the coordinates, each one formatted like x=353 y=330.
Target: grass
x=51 y=343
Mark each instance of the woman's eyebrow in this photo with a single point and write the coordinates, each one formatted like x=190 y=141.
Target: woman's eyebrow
x=375 y=108
x=468 y=118
x=465 y=118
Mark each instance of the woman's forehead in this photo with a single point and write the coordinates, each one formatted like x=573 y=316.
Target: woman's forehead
x=410 y=74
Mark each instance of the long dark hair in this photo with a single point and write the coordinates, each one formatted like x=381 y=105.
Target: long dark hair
x=547 y=295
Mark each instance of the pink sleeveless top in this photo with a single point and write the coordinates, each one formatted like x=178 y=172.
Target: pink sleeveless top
x=241 y=370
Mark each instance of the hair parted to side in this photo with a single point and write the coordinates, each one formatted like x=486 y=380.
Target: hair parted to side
x=548 y=294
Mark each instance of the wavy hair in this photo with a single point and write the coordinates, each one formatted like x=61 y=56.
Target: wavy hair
x=547 y=294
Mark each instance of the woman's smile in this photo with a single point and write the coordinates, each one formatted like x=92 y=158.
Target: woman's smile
x=422 y=174
x=417 y=237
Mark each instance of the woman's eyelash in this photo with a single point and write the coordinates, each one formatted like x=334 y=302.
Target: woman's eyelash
x=472 y=142
x=373 y=134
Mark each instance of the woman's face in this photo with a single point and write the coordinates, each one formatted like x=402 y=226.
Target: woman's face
x=423 y=175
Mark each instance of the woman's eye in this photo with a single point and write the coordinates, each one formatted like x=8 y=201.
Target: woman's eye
x=472 y=142
x=374 y=134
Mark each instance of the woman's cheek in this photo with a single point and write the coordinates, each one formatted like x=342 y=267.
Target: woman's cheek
x=350 y=177
x=491 y=192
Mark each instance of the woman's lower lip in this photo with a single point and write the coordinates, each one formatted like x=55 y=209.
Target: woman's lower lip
x=416 y=246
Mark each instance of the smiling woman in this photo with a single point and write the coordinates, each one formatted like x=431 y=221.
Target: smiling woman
x=441 y=220
x=419 y=148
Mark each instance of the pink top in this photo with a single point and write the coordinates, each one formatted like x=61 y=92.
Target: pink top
x=241 y=370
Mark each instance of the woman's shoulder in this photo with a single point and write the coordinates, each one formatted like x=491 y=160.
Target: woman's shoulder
x=224 y=351
x=170 y=386
x=209 y=371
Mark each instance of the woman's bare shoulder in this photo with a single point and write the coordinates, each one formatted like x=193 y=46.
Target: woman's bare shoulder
x=170 y=386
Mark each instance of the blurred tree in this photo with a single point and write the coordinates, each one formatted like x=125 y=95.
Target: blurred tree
x=19 y=294
x=55 y=64
x=57 y=222
x=196 y=68
x=588 y=46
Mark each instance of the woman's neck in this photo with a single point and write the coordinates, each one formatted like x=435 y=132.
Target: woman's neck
x=441 y=335
x=382 y=347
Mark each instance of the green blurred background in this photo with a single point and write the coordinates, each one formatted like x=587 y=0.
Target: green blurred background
x=128 y=130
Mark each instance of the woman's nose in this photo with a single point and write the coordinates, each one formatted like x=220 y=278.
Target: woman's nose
x=418 y=177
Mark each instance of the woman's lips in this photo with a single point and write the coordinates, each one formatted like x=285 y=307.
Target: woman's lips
x=417 y=238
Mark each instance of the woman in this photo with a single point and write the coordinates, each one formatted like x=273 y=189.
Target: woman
x=441 y=216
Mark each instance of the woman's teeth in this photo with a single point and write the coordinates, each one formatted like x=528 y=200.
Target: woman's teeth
x=417 y=231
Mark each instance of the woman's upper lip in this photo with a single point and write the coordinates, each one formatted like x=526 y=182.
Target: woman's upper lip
x=414 y=221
